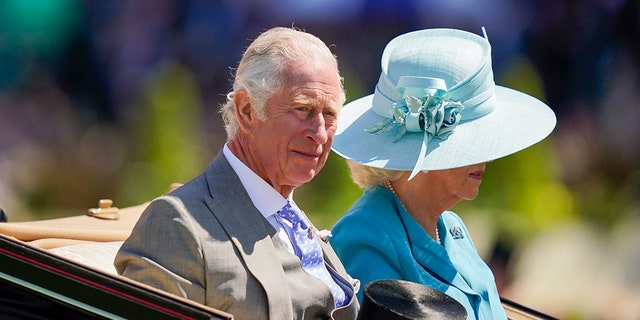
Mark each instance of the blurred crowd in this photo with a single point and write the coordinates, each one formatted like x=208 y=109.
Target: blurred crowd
x=120 y=99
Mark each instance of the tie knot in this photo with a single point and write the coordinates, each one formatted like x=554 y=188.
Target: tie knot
x=290 y=214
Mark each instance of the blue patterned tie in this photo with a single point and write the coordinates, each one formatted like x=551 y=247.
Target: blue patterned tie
x=308 y=250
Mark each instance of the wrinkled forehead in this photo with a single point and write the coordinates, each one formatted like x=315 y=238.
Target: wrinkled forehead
x=319 y=81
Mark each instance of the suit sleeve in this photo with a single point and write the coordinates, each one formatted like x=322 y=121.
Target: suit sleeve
x=164 y=251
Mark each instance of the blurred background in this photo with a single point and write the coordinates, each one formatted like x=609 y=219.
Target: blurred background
x=118 y=99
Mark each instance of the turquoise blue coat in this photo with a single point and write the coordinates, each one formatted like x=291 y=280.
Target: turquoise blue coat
x=378 y=239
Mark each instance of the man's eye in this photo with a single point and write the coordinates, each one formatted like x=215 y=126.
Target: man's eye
x=330 y=113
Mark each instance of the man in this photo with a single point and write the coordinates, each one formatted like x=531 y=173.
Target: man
x=222 y=239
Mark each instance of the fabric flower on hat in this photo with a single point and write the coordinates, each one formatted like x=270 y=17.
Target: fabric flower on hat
x=437 y=115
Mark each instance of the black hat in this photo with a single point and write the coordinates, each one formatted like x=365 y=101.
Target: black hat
x=400 y=299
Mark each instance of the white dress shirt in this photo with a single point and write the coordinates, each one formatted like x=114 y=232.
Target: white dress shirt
x=268 y=201
x=264 y=197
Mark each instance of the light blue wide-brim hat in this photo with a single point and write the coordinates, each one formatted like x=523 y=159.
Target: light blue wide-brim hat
x=436 y=106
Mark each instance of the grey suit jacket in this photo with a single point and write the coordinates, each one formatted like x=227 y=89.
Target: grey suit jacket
x=208 y=243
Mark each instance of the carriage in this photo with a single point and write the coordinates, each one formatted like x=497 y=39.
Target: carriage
x=63 y=268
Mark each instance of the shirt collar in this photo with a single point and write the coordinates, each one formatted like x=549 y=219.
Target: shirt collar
x=264 y=197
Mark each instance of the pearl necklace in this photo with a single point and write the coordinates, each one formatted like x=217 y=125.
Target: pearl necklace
x=387 y=184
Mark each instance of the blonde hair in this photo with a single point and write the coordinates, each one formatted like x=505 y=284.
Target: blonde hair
x=261 y=70
x=365 y=176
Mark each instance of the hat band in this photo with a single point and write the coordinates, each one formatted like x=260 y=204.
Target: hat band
x=423 y=104
x=426 y=107
x=476 y=94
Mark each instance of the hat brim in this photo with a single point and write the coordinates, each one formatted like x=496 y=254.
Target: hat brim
x=518 y=121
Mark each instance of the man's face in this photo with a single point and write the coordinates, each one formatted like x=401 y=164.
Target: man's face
x=292 y=144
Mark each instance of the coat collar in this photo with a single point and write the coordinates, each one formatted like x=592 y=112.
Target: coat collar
x=429 y=254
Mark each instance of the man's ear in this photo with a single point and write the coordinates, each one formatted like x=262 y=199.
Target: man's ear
x=244 y=110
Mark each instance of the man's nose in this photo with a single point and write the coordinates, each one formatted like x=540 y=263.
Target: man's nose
x=317 y=130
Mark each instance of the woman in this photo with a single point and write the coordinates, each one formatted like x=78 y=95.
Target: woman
x=419 y=145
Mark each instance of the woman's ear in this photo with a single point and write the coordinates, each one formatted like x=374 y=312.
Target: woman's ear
x=244 y=110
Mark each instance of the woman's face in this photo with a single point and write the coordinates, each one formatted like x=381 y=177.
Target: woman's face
x=462 y=183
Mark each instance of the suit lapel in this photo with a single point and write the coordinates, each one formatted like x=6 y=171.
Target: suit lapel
x=433 y=258
x=249 y=232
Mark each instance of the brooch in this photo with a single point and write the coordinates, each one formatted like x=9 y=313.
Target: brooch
x=456 y=232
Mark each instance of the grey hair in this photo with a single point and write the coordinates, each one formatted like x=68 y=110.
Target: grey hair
x=366 y=176
x=261 y=71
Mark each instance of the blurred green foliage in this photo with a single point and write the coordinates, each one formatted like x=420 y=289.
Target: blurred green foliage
x=166 y=136
x=162 y=141
x=61 y=160
x=523 y=193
